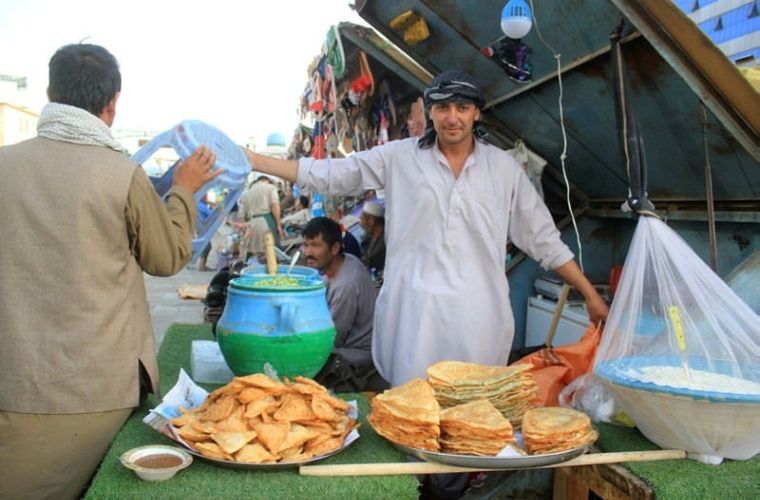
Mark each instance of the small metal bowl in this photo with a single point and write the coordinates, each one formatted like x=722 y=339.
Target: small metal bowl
x=156 y=462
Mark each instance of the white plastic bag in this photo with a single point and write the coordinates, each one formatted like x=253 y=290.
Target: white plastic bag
x=531 y=163
x=590 y=396
x=681 y=351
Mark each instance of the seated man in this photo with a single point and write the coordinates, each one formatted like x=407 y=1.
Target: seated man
x=301 y=216
x=373 y=243
x=351 y=299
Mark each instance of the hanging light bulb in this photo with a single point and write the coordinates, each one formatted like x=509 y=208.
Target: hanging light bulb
x=516 y=19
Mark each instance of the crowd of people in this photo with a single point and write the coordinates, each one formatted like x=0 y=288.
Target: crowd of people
x=451 y=202
x=264 y=207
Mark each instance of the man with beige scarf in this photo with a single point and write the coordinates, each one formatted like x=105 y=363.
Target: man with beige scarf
x=80 y=225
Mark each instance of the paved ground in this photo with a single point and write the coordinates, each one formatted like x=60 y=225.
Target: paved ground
x=165 y=305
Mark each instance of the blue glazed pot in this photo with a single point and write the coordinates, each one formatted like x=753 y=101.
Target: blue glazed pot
x=289 y=328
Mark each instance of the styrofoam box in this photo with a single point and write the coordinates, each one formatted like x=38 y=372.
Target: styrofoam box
x=572 y=323
x=207 y=364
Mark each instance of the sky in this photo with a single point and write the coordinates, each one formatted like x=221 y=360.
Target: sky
x=237 y=65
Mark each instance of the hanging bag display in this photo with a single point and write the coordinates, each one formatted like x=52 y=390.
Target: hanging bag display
x=681 y=351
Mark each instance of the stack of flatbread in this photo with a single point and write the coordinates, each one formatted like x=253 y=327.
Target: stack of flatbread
x=408 y=415
x=475 y=428
x=553 y=428
x=511 y=389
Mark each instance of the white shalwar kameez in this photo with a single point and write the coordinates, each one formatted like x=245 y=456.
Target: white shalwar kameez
x=445 y=295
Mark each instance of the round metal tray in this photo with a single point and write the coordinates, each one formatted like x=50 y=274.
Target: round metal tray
x=170 y=432
x=487 y=462
x=267 y=466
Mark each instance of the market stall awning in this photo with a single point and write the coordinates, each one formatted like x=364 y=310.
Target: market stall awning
x=389 y=59
x=673 y=69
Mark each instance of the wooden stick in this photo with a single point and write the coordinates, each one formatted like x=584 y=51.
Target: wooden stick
x=271 y=256
x=379 y=469
x=622 y=456
x=557 y=315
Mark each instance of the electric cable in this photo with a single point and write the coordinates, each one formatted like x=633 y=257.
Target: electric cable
x=563 y=156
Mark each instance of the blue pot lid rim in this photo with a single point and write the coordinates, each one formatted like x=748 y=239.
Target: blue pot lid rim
x=249 y=283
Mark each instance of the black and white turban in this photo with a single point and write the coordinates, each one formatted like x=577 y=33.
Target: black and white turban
x=453 y=86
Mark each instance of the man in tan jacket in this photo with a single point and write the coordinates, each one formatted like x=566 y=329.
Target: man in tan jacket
x=80 y=224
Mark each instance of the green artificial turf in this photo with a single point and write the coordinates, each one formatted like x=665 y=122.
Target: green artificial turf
x=205 y=480
x=670 y=479
x=683 y=479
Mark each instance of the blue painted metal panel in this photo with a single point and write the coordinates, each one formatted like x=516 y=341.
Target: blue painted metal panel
x=744 y=281
x=669 y=115
x=667 y=108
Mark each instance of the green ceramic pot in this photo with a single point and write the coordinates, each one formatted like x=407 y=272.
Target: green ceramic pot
x=289 y=328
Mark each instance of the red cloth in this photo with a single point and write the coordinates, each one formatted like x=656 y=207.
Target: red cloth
x=361 y=84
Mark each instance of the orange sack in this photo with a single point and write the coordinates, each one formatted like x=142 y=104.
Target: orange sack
x=555 y=368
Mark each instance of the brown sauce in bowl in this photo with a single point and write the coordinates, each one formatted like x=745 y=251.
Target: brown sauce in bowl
x=159 y=461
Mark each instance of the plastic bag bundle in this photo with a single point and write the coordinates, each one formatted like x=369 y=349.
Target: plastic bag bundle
x=590 y=396
x=681 y=351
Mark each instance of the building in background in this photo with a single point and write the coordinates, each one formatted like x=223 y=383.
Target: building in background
x=276 y=146
x=159 y=162
x=17 y=122
x=733 y=25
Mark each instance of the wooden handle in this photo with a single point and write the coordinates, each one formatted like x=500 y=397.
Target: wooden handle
x=435 y=468
x=615 y=457
x=557 y=315
x=271 y=256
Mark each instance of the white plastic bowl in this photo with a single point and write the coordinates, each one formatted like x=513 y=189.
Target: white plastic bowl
x=132 y=458
x=709 y=425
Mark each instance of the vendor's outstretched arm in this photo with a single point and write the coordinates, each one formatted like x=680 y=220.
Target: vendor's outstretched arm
x=285 y=169
x=572 y=274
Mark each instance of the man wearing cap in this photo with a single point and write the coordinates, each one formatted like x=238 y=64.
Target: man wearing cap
x=372 y=221
x=451 y=200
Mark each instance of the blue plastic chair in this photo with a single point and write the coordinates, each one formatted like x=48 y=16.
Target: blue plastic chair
x=184 y=138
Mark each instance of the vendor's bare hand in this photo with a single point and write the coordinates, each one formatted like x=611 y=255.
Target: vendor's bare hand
x=195 y=171
x=597 y=308
x=549 y=357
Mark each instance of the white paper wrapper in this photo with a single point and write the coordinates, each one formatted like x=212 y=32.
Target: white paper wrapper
x=185 y=393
